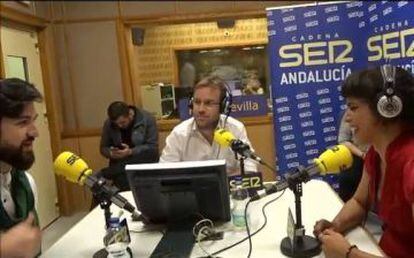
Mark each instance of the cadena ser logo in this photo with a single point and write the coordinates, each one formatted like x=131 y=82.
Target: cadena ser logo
x=391 y=45
x=316 y=53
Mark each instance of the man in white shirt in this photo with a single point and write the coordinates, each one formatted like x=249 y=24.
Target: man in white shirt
x=19 y=231
x=192 y=139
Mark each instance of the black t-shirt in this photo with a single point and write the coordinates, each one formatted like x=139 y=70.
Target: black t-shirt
x=127 y=133
x=126 y=136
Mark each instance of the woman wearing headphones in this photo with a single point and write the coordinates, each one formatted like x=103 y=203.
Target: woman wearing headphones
x=381 y=113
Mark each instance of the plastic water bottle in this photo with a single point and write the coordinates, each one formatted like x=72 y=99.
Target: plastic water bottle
x=116 y=240
x=239 y=198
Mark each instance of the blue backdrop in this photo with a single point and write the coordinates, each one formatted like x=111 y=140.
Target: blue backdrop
x=312 y=49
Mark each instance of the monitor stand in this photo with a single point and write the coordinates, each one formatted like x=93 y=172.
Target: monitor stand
x=178 y=241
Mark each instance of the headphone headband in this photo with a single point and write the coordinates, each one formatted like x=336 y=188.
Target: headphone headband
x=388 y=76
x=389 y=105
x=226 y=101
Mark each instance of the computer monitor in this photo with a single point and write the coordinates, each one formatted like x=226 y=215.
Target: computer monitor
x=180 y=191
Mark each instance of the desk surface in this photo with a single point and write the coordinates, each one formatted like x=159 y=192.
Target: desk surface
x=318 y=201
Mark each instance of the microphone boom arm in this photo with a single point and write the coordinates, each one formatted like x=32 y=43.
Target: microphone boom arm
x=238 y=147
x=110 y=193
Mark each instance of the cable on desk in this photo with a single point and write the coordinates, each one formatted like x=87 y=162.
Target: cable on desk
x=146 y=231
x=257 y=231
x=248 y=229
x=198 y=241
x=264 y=224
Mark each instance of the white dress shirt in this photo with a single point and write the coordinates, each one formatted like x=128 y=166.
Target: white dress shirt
x=186 y=143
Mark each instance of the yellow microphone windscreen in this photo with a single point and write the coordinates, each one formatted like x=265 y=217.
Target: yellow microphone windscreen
x=223 y=137
x=73 y=168
x=334 y=160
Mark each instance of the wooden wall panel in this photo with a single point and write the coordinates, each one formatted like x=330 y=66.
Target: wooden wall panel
x=248 y=5
x=284 y=3
x=261 y=137
x=90 y=9
x=147 y=8
x=52 y=90
x=68 y=114
x=162 y=135
x=79 y=198
x=43 y=9
x=20 y=7
x=49 y=63
x=95 y=70
x=262 y=5
x=57 y=10
x=71 y=196
x=91 y=154
x=190 y=7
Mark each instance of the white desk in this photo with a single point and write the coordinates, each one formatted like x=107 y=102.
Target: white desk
x=318 y=201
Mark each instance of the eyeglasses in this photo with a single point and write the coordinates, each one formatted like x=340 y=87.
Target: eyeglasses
x=207 y=104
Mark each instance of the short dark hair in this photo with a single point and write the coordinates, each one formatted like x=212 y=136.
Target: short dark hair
x=368 y=85
x=212 y=81
x=14 y=94
x=117 y=109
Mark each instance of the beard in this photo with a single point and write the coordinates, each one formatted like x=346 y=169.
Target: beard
x=203 y=124
x=16 y=157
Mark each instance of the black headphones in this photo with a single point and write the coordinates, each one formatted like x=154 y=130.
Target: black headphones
x=389 y=104
x=226 y=101
x=204 y=230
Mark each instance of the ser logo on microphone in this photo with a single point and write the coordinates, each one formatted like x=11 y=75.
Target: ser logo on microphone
x=335 y=148
x=72 y=159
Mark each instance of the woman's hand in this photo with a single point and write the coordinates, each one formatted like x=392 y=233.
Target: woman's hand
x=334 y=245
x=320 y=226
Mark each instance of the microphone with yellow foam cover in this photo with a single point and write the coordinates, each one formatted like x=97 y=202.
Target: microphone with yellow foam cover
x=72 y=168
x=223 y=137
x=331 y=161
x=334 y=160
x=75 y=170
x=227 y=139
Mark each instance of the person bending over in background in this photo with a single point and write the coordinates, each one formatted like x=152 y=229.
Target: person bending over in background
x=387 y=181
x=19 y=226
x=129 y=136
x=192 y=139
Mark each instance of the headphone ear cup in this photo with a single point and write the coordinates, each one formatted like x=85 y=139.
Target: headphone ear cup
x=223 y=105
x=389 y=106
x=204 y=227
x=190 y=105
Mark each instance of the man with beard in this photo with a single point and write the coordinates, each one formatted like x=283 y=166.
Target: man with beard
x=192 y=139
x=19 y=232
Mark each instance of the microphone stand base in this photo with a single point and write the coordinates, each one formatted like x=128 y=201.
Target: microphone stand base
x=102 y=253
x=307 y=246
